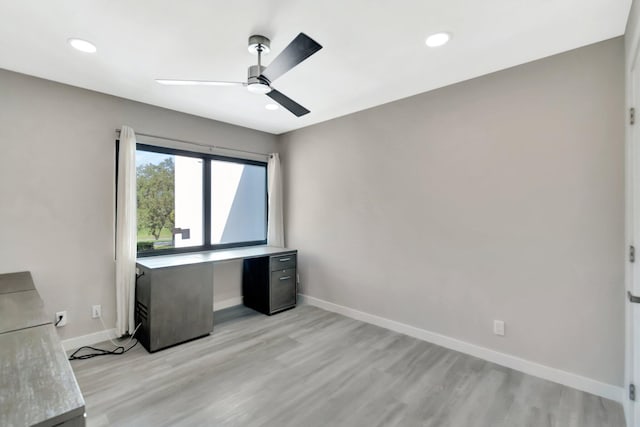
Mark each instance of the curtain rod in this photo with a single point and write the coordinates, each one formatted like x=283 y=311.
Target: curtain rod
x=199 y=144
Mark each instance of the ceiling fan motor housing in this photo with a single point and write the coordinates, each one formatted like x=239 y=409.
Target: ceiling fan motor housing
x=255 y=82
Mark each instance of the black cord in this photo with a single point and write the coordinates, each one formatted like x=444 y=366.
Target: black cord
x=99 y=352
x=59 y=320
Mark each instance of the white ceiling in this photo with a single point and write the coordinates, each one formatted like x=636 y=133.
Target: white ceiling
x=373 y=53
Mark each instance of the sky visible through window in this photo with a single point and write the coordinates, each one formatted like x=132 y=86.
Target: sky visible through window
x=145 y=157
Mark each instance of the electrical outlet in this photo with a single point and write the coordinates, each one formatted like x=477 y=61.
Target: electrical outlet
x=498 y=327
x=96 y=311
x=61 y=319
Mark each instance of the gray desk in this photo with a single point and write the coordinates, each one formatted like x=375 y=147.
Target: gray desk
x=37 y=385
x=16 y=282
x=174 y=293
x=20 y=310
x=211 y=256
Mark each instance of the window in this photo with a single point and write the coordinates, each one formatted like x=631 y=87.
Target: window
x=238 y=202
x=191 y=201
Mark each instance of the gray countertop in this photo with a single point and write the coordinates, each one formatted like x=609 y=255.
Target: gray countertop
x=19 y=310
x=16 y=282
x=37 y=384
x=211 y=256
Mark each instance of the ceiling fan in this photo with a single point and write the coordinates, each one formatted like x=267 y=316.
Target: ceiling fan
x=260 y=77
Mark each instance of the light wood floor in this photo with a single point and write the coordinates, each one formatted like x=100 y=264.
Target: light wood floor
x=309 y=367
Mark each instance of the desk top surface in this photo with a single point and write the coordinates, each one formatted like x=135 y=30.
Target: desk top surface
x=16 y=282
x=20 y=310
x=36 y=381
x=164 y=261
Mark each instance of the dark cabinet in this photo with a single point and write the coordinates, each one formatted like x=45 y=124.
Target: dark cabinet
x=174 y=304
x=269 y=283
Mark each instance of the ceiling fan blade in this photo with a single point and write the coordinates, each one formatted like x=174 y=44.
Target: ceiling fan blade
x=172 y=82
x=297 y=51
x=288 y=103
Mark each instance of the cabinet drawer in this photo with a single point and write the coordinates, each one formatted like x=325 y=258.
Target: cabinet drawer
x=283 y=262
x=282 y=289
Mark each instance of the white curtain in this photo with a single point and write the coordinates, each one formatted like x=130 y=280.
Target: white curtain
x=126 y=232
x=275 y=224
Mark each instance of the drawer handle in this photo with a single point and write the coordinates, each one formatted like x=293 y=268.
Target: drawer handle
x=284 y=259
x=285 y=278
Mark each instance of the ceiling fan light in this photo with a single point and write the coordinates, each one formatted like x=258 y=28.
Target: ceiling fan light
x=260 y=88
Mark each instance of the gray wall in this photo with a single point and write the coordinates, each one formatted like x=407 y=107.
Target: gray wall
x=57 y=188
x=497 y=198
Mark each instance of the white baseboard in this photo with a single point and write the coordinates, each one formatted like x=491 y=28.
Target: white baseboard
x=105 y=335
x=588 y=385
x=230 y=302
x=89 y=339
x=627 y=405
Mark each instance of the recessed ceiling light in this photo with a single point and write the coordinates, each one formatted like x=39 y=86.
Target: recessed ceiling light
x=271 y=107
x=438 y=39
x=82 y=45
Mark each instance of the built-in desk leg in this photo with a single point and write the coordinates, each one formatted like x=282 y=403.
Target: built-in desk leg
x=174 y=304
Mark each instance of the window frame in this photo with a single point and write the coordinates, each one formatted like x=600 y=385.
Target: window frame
x=206 y=199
